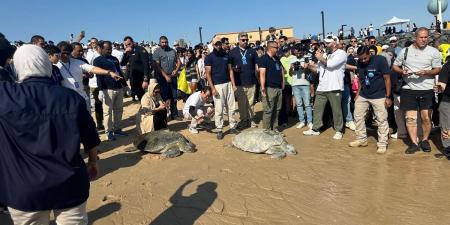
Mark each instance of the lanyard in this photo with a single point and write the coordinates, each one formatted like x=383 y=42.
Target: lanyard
x=67 y=69
x=243 y=55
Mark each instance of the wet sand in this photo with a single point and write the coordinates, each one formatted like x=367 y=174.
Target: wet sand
x=326 y=183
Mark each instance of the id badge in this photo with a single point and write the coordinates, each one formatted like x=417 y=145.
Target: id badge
x=77 y=86
x=277 y=66
x=244 y=60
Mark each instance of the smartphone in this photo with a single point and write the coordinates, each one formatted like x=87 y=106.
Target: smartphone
x=82 y=32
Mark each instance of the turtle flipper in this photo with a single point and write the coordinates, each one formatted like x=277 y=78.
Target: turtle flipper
x=171 y=153
x=278 y=155
x=276 y=152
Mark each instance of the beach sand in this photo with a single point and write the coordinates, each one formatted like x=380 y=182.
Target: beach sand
x=326 y=183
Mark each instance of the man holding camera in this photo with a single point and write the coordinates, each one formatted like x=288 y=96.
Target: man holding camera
x=243 y=76
x=375 y=91
x=301 y=86
x=418 y=64
x=331 y=84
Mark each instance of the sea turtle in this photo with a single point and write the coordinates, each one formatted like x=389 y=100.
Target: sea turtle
x=264 y=141
x=169 y=143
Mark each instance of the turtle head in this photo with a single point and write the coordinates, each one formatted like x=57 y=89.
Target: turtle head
x=290 y=150
x=188 y=146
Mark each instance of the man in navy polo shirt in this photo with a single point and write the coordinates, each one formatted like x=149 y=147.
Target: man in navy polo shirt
x=375 y=91
x=111 y=91
x=217 y=72
x=271 y=75
x=41 y=127
x=243 y=76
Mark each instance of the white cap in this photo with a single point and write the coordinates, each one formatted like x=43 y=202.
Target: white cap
x=393 y=38
x=331 y=39
x=384 y=47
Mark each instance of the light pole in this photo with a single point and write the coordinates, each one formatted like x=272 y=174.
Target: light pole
x=200 y=31
x=323 y=24
x=342 y=29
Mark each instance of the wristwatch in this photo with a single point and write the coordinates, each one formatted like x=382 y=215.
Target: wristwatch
x=387 y=96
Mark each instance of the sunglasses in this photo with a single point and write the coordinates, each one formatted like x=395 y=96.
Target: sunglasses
x=353 y=41
x=244 y=40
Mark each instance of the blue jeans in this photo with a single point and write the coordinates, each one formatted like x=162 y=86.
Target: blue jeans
x=346 y=100
x=302 y=97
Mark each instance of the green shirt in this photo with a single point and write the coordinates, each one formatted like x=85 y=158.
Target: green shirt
x=286 y=62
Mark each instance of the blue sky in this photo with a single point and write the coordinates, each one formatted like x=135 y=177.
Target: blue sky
x=147 y=20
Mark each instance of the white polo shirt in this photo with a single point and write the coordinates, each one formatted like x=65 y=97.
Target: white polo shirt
x=72 y=73
x=90 y=57
x=331 y=76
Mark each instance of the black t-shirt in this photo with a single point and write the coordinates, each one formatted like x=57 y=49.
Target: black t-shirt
x=245 y=61
x=444 y=76
x=219 y=67
x=373 y=87
x=274 y=74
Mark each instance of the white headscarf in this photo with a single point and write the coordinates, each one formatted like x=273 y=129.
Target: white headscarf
x=31 y=61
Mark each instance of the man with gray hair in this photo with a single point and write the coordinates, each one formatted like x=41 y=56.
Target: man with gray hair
x=418 y=64
x=42 y=125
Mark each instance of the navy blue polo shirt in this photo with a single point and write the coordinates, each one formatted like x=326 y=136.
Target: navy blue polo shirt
x=219 y=67
x=41 y=127
x=374 y=71
x=274 y=74
x=110 y=63
x=246 y=61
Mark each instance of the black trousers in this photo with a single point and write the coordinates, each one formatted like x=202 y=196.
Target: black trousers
x=136 y=80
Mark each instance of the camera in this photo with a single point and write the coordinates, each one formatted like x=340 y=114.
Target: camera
x=296 y=65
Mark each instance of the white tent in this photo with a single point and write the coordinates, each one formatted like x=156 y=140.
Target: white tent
x=396 y=21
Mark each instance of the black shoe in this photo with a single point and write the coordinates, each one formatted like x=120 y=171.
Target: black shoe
x=446 y=152
x=220 y=135
x=425 y=146
x=413 y=148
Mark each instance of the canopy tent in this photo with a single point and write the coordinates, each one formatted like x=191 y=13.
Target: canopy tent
x=396 y=21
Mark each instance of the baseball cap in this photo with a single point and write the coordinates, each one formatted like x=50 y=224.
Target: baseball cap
x=393 y=38
x=384 y=47
x=331 y=39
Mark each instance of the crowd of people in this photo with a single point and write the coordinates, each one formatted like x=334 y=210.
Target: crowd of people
x=48 y=91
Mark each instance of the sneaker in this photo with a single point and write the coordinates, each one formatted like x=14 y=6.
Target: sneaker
x=446 y=152
x=350 y=125
x=110 y=136
x=193 y=130
x=310 y=125
x=358 y=143
x=394 y=136
x=284 y=125
x=220 y=135
x=120 y=133
x=412 y=149
x=381 y=150
x=311 y=132
x=300 y=125
x=337 y=136
x=425 y=146
x=234 y=131
x=253 y=125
